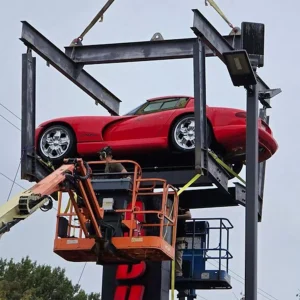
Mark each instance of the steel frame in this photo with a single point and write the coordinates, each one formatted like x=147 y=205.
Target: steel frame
x=208 y=43
x=73 y=71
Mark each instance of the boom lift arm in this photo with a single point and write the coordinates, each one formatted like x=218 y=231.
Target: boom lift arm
x=64 y=178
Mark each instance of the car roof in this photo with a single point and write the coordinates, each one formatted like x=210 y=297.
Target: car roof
x=167 y=97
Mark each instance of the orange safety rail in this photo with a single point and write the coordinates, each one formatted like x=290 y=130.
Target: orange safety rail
x=154 y=248
x=94 y=212
x=136 y=244
x=77 y=235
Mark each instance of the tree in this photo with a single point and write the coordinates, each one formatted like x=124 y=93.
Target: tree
x=26 y=280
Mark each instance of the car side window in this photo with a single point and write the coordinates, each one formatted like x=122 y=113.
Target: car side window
x=161 y=105
x=182 y=102
x=152 y=106
x=169 y=104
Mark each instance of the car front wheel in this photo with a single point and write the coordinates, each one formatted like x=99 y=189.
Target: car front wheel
x=56 y=143
x=183 y=134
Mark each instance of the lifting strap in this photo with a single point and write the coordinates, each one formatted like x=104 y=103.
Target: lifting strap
x=173 y=261
x=226 y=167
x=219 y=11
x=98 y=17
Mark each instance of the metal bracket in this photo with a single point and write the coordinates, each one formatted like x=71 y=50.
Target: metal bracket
x=235 y=31
x=157 y=37
x=265 y=96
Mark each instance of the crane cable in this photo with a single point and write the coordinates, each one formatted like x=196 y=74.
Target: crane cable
x=219 y=11
x=98 y=17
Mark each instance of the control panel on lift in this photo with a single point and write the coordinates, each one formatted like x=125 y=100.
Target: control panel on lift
x=198 y=252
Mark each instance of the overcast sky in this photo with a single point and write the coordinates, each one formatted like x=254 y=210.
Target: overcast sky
x=133 y=20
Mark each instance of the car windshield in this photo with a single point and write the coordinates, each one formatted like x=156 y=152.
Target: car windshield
x=132 y=112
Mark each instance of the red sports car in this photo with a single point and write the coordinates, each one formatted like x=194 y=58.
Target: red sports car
x=165 y=123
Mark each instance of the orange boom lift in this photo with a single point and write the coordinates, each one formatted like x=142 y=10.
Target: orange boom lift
x=107 y=220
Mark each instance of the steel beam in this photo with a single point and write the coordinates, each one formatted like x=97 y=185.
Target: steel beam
x=215 y=41
x=28 y=116
x=140 y=51
x=200 y=106
x=215 y=174
x=262 y=165
x=240 y=197
x=60 y=61
x=251 y=194
x=215 y=197
x=31 y=168
x=177 y=178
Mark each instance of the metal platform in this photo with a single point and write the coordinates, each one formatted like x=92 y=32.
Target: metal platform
x=210 y=279
x=202 y=198
x=199 y=249
x=87 y=251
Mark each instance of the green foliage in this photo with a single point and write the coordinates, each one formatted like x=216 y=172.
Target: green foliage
x=27 y=280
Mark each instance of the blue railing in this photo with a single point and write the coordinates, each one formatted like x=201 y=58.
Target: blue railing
x=200 y=236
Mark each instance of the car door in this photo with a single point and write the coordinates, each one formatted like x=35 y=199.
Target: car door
x=148 y=121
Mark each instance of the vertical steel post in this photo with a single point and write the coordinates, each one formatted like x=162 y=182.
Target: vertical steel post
x=28 y=116
x=199 y=104
x=251 y=194
x=262 y=165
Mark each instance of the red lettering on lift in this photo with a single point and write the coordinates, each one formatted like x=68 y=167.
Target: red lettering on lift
x=126 y=272
x=134 y=292
x=135 y=272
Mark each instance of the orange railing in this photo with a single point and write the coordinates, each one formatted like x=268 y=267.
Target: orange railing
x=167 y=215
x=72 y=217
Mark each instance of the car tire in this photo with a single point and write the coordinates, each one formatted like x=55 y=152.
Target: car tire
x=235 y=167
x=56 y=149
x=176 y=136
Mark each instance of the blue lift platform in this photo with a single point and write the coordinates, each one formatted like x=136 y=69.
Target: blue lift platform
x=197 y=275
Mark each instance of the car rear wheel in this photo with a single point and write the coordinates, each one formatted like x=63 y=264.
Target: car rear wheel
x=237 y=168
x=56 y=143
x=183 y=134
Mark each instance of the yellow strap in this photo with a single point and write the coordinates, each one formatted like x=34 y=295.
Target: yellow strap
x=69 y=203
x=173 y=280
x=173 y=261
x=68 y=206
x=98 y=17
x=220 y=162
x=47 y=164
x=219 y=11
x=188 y=184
